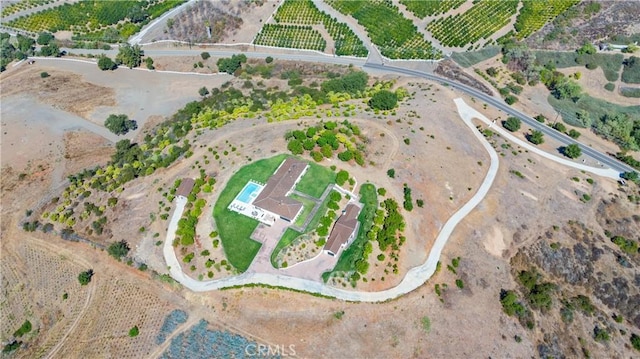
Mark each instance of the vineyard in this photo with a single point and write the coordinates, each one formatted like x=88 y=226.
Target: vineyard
x=534 y=14
x=290 y=36
x=480 y=22
x=395 y=36
x=423 y=9
x=304 y=12
x=90 y=19
x=201 y=342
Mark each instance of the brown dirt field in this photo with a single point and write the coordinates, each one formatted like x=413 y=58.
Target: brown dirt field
x=63 y=90
x=36 y=267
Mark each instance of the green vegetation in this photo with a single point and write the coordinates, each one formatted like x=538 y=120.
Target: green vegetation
x=631 y=70
x=630 y=92
x=304 y=12
x=423 y=9
x=459 y=283
x=391 y=173
x=479 y=22
x=235 y=229
x=315 y=180
x=510 y=304
x=24 y=329
x=600 y=335
x=290 y=36
x=85 y=277
x=628 y=246
x=572 y=151
x=537 y=294
x=118 y=249
x=307 y=207
x=408 y=201
x=120 y=124
x=105 y=63
x=130 y=56
x=395 y=36
x=537 y=137
x=635 y=341
x=392 y=224
x=610 y=63
x=512 y=124
x=109 y=21
x=470 y=58
x=230 y=65
x=610 y=86
x=133 y=332
x=534 y=14
x=324 y=138
x=383 y=100
x=353 y=83
x=426 y=323
x=356 y=251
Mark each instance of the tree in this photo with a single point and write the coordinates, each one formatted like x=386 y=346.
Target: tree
x=631 y=176
x=44 y=74
x=573 y=134
x=540 y=118
x=25 y=44
x=205 y=55
x=635 y=341
x=559 y=126
x=118 y=249
x=566 y=89
x=230 y=65
x=149 y=62
x=105 y=63
x=342 y=177
x=295 y=146
x=536 y=137
x=50 y=50
x=572 y=151
x=45 y=38
x=133 y=332
x=130 y=56
x=512 y=124
x=268 y=59
x=120 y=124
x=391 y=173
x=587 y=49
x=203 y=91
x=136 y=14
x=85 y=277
x=383 y=100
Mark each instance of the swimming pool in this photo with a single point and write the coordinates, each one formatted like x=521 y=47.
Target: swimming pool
x=249 y=192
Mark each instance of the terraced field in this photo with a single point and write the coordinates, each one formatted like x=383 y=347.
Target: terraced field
x=91 y=18
x=395 y=36
x=480 y=22
x=304 y=12
x=423 y=9
x=534 y=14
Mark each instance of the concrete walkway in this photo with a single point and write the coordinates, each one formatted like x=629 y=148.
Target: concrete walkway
x=413 y=279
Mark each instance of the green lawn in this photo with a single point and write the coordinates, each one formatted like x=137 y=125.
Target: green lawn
x=316 y=180
x=290 y=235
x=349 y=256
x=235 y=229
x=306 y=209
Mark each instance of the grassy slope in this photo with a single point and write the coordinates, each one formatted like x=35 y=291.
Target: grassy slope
x=235 y=229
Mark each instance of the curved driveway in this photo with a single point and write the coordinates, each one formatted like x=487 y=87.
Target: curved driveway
x=414 y=278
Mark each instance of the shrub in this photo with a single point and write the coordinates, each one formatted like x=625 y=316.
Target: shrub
x=341 y=177
x=268 y=59
x=510 y=99
x=459 y=283
x=536 y=137
x=573 y=134
x=205 y=55
x=610 y=86
x=133 y=332
x=120 y=124
x=85 y=277
x=391 y=173
x=118 y=249
x=572 y=151
x=44 y=75
x=383 y=100
x=512 y=124
x=105 y=63
x=635 y=341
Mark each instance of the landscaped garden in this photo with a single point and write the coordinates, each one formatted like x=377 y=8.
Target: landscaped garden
x=479 y=22
x=235 y=229
x=316 y=180
x=395 y=36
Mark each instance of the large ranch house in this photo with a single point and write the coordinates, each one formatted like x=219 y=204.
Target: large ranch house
x=269 y=202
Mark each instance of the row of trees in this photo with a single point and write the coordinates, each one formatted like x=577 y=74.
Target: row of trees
x=24 y=46
x=130 y=56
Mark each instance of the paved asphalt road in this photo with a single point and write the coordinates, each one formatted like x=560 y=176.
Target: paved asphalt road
x=314 y=57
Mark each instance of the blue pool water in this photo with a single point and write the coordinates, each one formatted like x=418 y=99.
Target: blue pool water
x=247 y=195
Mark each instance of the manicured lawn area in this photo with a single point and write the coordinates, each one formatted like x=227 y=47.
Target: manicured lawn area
x=316 y=180
x=308 y=206
x=235 y=229
x=349 y=256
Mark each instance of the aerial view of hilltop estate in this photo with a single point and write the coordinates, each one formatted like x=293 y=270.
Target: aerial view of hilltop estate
x=319 y=179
